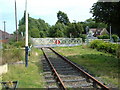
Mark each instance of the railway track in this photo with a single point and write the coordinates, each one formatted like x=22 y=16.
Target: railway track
x=61 y=73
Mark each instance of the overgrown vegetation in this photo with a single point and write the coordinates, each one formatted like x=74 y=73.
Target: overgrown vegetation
x=12 y=52
x=106 y=36
x=12 y=55
x=115 y=38
x=100 y=64
x=104 y=46
x=30 y=77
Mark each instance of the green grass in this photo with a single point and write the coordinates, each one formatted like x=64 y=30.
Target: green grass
x=30 y=77
x=100 y=64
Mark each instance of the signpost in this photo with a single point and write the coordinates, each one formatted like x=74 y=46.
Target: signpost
x=26 y=38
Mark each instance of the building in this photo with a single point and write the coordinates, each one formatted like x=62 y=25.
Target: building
x=97 y=31
x=4 y=36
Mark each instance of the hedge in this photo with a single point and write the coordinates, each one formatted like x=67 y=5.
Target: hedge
x=104 y=46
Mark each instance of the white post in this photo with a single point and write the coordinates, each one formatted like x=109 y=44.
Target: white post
x=26 y=34
x=26 y=44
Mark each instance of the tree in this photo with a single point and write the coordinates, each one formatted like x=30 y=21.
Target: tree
x=91 y=23
x=107 y=12
x=34 y=25
x=57 y=30
x=62 y=18
x=74 y=30
x=34 y=33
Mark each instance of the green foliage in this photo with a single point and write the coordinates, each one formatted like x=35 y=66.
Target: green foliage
x=91 y=23
x=35 y=33
x=57 y=30
x=74 y=30
x=104 y=46
x=7 y=46
x=12 y=55
x=37 y=27
x=42 y=34
x=95 y=43
x=19 y=44
x=83 y=36
x=107 y=12
x=115 y=38
x=62 y=18
x=106 y=36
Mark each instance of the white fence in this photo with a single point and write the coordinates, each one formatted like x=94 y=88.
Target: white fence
x=89 y=40
x=56 y=42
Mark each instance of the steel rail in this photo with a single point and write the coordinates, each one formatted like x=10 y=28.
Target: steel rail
x=56 y=76
x=85 y=74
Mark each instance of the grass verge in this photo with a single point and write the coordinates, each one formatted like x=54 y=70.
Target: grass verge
x=100 y=64
x=30 y=77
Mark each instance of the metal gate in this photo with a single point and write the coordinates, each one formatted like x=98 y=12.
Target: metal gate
x=55 y=42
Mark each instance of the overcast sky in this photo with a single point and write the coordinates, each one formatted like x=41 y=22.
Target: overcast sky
x=45 y=9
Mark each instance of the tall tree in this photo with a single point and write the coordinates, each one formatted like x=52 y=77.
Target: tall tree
x=57 y=30
x=74 y=30
x=37 y=27
x=107 y=12
x=62 y=18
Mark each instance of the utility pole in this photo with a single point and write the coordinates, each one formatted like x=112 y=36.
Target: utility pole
x=26 y=36
x=16 y=21
x=4 y=30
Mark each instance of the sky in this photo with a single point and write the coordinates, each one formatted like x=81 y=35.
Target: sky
x=78 y=10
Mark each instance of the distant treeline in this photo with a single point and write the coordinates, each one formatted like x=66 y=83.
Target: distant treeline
x=62 y=28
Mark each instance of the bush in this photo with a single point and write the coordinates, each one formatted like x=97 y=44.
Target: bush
x=106 y=36
x=19 y=44
x=12 y=55
x=104 y=46
x=95 y=43
x=83 y=37
x=7 y=46
x=115 y=38
x=101 y=46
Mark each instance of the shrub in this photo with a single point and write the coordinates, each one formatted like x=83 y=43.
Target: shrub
x=95 y=43
x=115 y=38
x=101 y=46
x=19 y=44
x=7 y=46
x=83 y=37
x=104 y=46
x=106 y=36
x=12 y=55
x=112 y=48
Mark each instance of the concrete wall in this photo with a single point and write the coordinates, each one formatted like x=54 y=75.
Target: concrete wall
x=3 y=69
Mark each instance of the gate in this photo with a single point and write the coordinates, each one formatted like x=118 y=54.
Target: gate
x=56 y=42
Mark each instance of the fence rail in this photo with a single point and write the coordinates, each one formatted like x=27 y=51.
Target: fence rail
x=54 y=42
x=89 y=40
